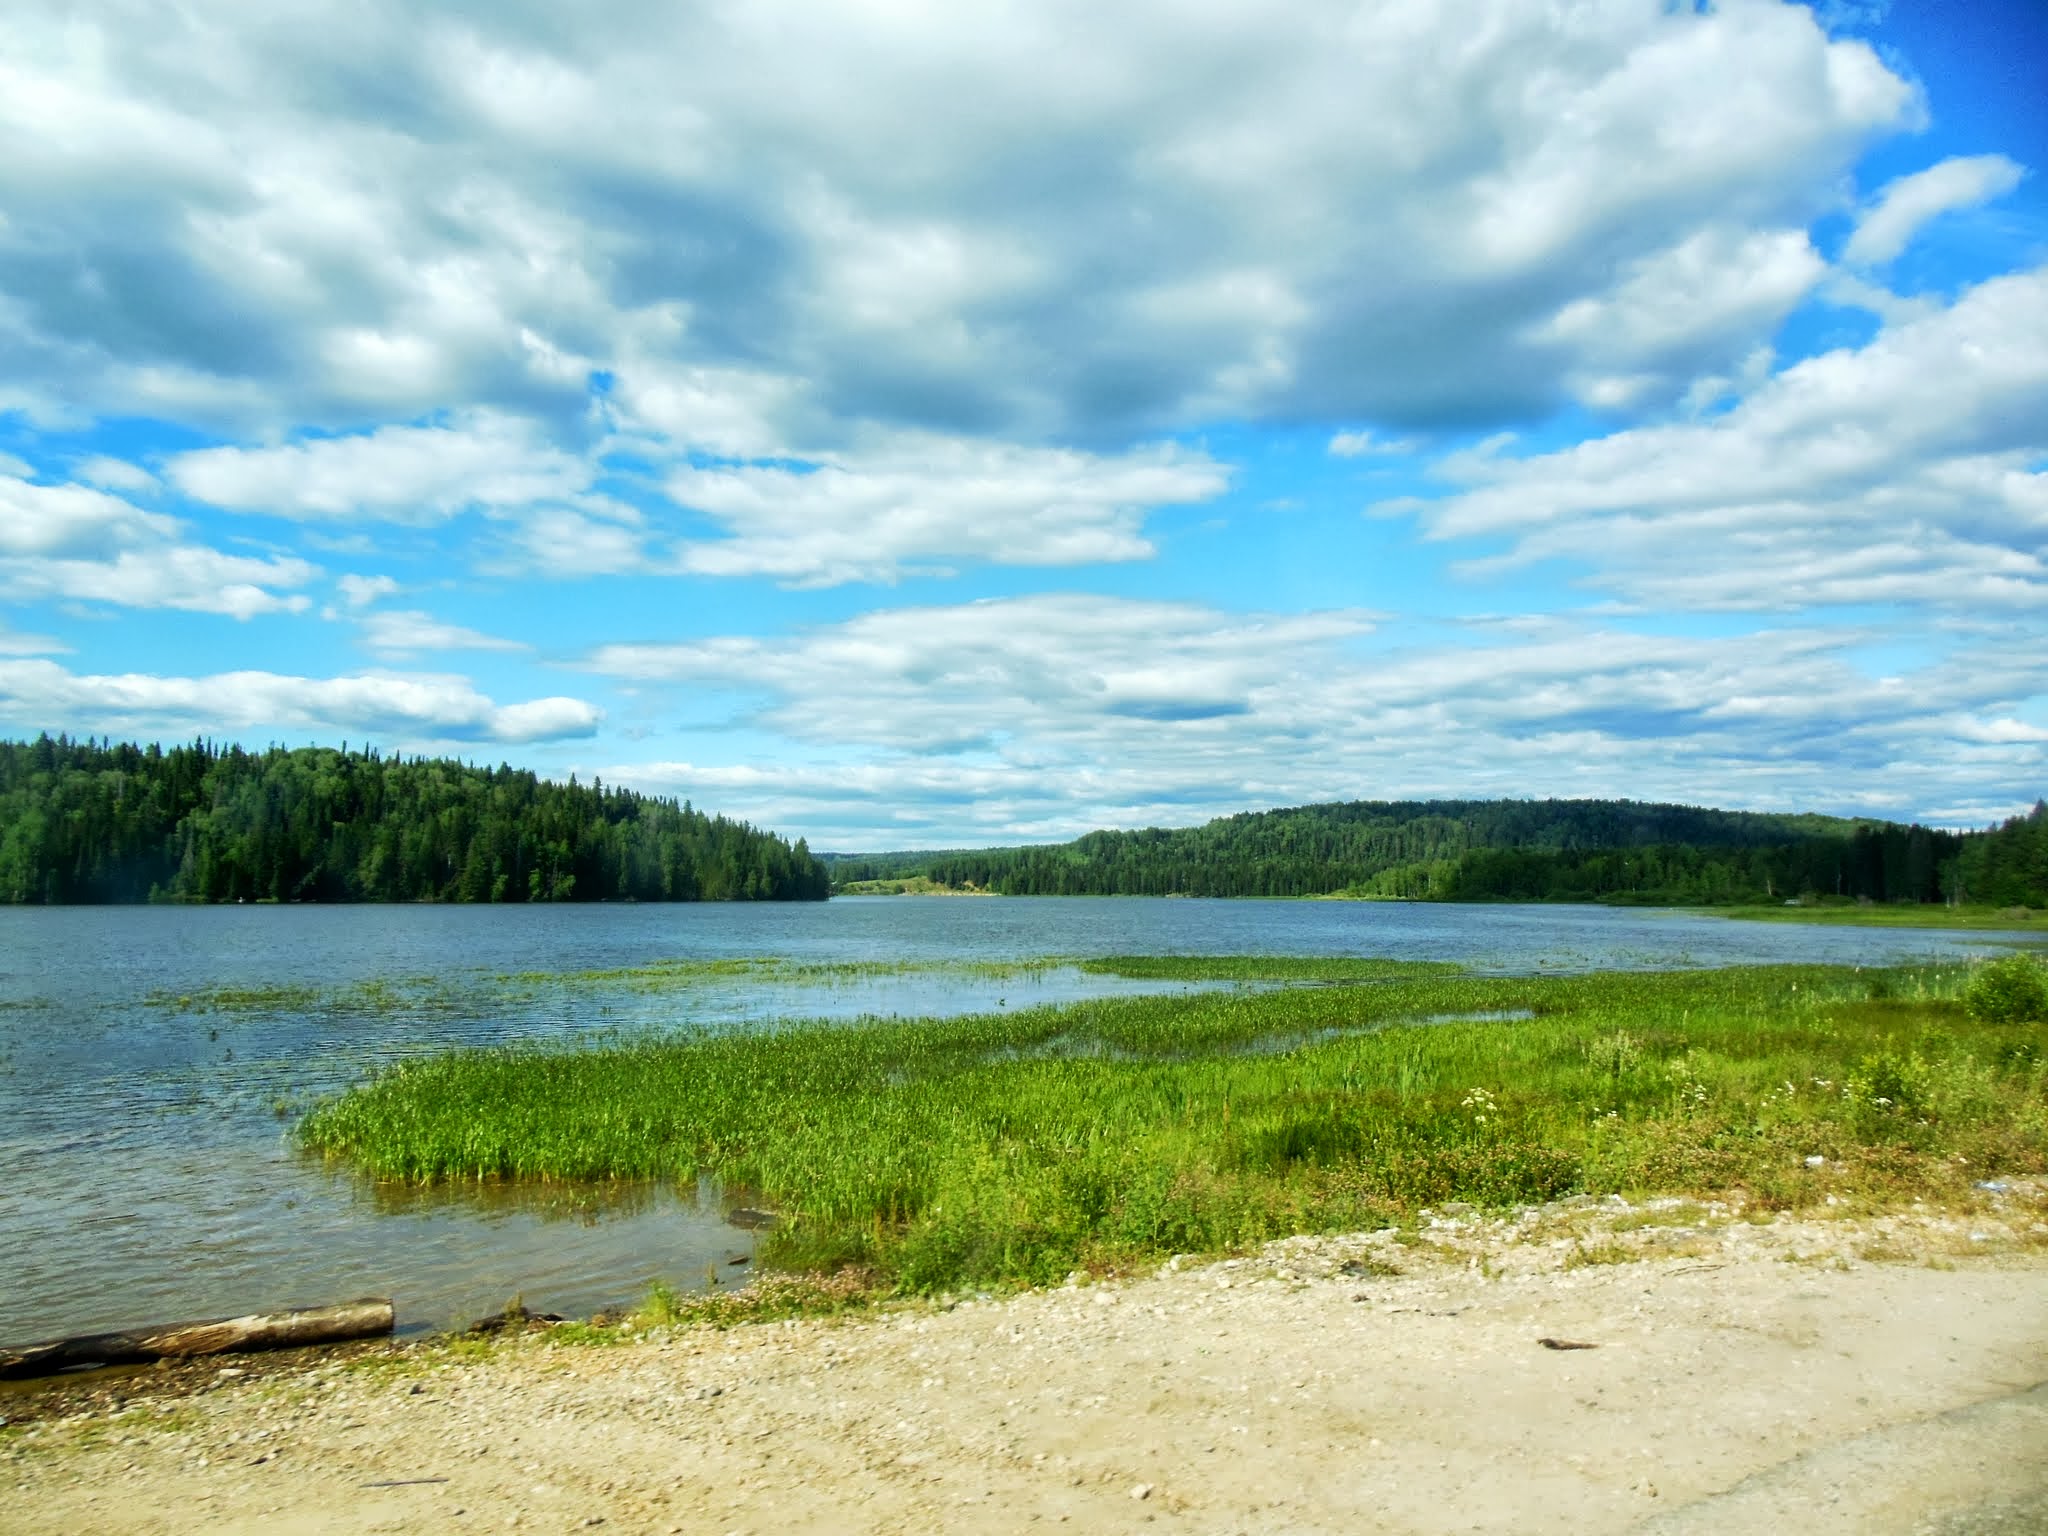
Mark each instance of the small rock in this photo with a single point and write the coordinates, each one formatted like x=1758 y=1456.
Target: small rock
x=1142 y=1491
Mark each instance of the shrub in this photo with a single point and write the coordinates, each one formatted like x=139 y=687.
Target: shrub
x=2010 y=990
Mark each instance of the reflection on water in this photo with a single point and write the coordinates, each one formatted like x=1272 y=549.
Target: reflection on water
x=586 y=1204
x=152 y=1060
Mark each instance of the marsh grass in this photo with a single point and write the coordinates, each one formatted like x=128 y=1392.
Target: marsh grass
x=933 y=1154
x=417 y=995
x=1275 y=968
x=664 y=975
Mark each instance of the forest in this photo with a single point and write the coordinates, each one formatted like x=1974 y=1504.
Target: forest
x=111 y=822
x=1510 y=850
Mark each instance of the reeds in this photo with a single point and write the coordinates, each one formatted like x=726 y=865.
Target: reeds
x=1015 y=1148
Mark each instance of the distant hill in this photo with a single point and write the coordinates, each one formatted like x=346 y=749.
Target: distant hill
x=1500 y=850
x=86 y=822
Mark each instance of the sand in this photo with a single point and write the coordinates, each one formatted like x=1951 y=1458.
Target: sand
x=1814 y=1375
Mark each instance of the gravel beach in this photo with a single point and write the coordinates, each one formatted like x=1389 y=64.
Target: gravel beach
x=1668 y=1368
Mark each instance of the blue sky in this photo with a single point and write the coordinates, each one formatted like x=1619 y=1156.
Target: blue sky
x=913 y=424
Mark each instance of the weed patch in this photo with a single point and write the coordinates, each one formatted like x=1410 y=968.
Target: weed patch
x=1013 y=1149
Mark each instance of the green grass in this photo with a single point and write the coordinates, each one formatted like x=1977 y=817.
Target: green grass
x=1013 y=1149
x=1309 y=968
x=1848 y=915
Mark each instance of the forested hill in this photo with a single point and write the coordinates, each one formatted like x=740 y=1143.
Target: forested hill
x=1520 y=850
x=85 y=822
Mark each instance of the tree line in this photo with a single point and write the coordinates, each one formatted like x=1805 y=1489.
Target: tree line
x=85 y=821
x=1511 y=850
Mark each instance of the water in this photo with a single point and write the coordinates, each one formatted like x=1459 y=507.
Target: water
x=145 y=1171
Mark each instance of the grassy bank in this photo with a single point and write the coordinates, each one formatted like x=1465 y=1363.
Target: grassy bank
x=1848 y=915
x=1014 y=1149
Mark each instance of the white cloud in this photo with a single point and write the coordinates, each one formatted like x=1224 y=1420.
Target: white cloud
x=72 y=519
x=866 y=517
x=404 y=632
x=14 y=642
x=1668 y=319
x=1359 y=444
x=1043 y=662
x=770 y=225
x=1042 y=717
x=71 y=541
x=116 y=475
x=1906 y=470
x=362 y=591
x=1888 y=226
x=563 y=541
x=732 y=412
x=394 y=474
x=415 y=706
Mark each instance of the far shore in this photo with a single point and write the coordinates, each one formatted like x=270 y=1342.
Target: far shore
x=1840 y=915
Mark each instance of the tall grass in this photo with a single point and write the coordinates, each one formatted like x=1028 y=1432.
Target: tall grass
x=1012 y=1149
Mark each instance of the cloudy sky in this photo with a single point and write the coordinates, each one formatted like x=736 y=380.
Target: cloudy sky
x=911 y=423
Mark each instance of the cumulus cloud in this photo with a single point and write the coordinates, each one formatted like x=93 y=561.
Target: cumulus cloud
x=1888 y=226
x=1906 y=470
x=866 y=517
x=764 y=224
x=1041 y=717
x=414 y=706
x=72 y=541
x=1363 y=442
x=405 y=632
x=395 y=474
x=14 y=642
x=361 y=591
x=948 y=675
x=116 y=475
x=1668 y=319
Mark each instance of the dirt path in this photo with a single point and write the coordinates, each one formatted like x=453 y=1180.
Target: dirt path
x=1797 y=1377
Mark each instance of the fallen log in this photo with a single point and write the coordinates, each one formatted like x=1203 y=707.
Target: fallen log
x=363 y=1319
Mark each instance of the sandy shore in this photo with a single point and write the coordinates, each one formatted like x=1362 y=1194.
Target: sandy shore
x=1867 y=1375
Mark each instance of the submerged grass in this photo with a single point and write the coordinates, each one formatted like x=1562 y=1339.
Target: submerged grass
x=660 y=975
x=1013 y=1149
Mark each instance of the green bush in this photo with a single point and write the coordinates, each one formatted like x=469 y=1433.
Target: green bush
x=2010 y=990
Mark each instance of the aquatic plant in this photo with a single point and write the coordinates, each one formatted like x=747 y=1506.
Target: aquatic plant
x=1017 y=1147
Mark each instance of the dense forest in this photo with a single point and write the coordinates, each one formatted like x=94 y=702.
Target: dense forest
x=106 y=822
x=1510 y=850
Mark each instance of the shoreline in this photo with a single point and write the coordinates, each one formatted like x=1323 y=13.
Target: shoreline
x=1877 y=1372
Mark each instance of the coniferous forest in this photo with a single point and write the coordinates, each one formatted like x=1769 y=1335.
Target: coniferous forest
x=1511 y=850
x=82 y=821
x=110 y=822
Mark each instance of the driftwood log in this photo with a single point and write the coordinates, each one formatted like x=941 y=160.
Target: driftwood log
x=178 y=1341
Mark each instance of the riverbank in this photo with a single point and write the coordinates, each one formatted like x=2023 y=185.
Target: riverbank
x=1829 y=1373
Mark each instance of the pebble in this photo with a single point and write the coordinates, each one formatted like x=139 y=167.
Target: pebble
x=1142 y=1491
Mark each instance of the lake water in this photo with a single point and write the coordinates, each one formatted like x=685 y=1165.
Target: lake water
x=151 y=1060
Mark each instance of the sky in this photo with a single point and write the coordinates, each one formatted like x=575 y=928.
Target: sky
x=917 y=424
